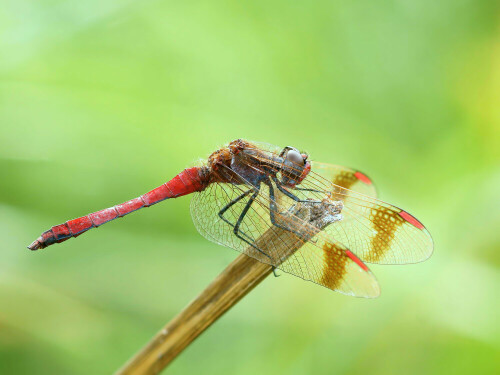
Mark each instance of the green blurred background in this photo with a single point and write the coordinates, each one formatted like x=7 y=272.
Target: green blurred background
x=100 y=101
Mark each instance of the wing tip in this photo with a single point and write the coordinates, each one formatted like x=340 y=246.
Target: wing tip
x=371 y=293
x=374 y=291
x=417 y=224
x=429 y=253
x=376 y=294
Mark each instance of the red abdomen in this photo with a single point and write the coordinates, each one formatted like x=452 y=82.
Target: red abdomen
x=188 y=181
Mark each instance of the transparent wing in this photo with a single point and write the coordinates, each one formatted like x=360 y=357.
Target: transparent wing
x=218 y=210
x=347 y=178
x=376 y=231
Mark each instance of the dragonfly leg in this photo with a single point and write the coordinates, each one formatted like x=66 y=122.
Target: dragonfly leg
x=236 y=227
x=229 y=205
x=288 y=194
x=313 y=190
x=273 y=209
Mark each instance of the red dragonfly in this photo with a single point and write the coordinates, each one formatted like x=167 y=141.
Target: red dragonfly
x=247 y=189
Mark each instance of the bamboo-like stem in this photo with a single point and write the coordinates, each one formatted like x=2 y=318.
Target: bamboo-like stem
x=238 y=279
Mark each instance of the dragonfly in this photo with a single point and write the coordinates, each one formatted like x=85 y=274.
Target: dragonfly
x=248 y=190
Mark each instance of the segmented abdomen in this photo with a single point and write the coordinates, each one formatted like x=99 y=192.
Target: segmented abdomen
x=188 y=181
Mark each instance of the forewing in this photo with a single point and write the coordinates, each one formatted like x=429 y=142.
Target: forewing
x=318 y=259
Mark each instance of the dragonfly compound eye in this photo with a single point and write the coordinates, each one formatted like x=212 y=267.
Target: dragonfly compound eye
x=295 y=157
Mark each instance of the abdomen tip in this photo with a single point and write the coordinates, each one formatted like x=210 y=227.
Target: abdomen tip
x=35 y=245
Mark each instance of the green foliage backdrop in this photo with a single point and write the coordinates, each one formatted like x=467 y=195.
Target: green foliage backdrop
x=103 y=100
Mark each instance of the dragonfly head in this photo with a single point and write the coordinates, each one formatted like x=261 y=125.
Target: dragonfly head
x=295 y=166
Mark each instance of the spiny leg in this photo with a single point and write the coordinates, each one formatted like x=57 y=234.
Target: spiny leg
x=229 y=205
x=312 y=190
x=288 y=194
x=273 y=209
x=236 y=227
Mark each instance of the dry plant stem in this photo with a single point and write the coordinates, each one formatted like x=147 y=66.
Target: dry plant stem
x=239 y=278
